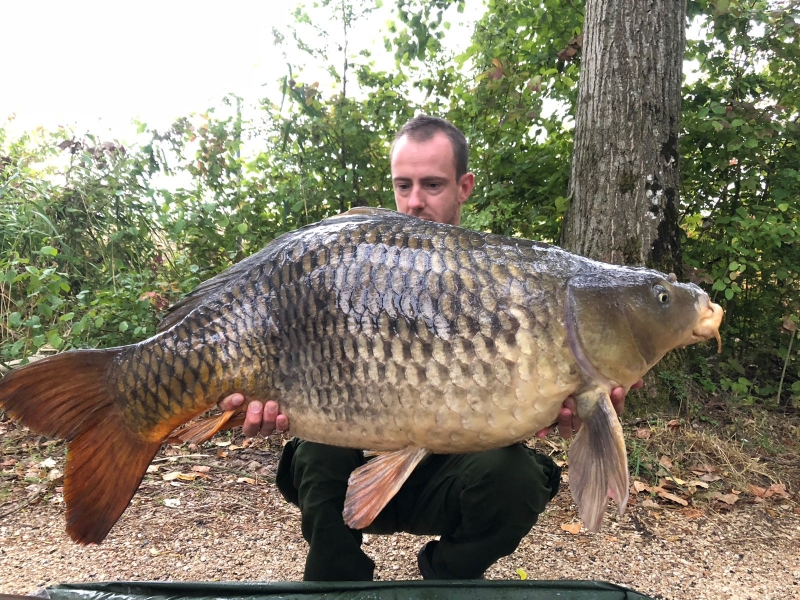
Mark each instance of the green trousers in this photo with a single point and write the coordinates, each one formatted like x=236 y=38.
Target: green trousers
x=481 y=505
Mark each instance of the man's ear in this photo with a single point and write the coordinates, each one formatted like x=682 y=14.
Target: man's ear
x=465 y=186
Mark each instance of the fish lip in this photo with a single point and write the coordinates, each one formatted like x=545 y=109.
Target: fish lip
x=708 y=323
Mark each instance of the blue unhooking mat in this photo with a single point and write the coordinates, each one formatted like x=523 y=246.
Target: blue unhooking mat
x=395 y=590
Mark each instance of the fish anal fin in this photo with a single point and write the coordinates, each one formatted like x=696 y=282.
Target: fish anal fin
x=203 y=430
x=598 y=463
x=374 y=484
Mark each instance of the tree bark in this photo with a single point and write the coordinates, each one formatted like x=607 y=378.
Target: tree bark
x=625 y=179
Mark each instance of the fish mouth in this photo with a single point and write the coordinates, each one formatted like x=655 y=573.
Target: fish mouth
x=708 y=323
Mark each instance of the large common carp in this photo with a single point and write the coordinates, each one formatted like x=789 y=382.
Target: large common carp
x=379 y=331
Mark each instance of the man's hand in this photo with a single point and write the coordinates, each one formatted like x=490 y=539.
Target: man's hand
x=568 y=420
x=260 y=418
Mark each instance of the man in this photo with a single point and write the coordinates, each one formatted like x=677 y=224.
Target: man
x=481 y=504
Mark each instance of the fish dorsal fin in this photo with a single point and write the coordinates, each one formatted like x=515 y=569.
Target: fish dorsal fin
x=369 y=211
x=223 y=281
x=211 y=287
x=598 y=464
x=372 y=485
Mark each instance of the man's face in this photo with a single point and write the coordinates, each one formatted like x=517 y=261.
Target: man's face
x=424 y=179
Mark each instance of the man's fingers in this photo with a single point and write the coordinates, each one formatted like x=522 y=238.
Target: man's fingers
x=618 y=399
x=253 y=418
x=282 y=423
x=271 y=413
x=231 y=402
x=565 y=428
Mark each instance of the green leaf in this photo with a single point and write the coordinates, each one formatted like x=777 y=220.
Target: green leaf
x=98 y=322
x=55 y=340
x=242 y=227
x=729 y=293
x=48 y=250
x=123 y=327
x=734 y=266
x=15 y=319
x=17 y=346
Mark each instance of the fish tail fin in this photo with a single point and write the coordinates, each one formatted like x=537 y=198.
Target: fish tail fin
x=206 y=428
x=66 y=396
x=598 y=463
x=374 y=484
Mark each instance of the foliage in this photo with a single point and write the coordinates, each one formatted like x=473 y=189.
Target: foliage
x=741 y=195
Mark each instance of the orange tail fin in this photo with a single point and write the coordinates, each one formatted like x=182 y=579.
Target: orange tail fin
x=65 y=396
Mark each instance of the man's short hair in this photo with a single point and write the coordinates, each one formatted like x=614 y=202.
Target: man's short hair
x=423 y=127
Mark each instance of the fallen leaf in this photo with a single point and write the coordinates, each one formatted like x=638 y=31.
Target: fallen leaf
x=643 y=434
x=201 y=468
x=152 y=469
x=222 y=444
x=759 y=492
x=172 y=502
x=665 y=462
x=48 y=463
x=698 y=483
x=780 y=490
x=171 y=476
x=710 y=478
x=522 y=574
x=573 y=528
x=650 y=504
x=611 y=538
x=55 y=475
x=691 y=513
x=9 y=462
x=222 y=454
x=639 y=486
x=154 y=552
x=189 y=476
x=674 y=424
x=249 y=480
x=726 y=498
x=673 y=498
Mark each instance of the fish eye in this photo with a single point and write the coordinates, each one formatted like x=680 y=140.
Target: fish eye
x=661 y=294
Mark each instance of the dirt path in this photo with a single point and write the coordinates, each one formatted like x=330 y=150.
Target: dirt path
x=230 y=524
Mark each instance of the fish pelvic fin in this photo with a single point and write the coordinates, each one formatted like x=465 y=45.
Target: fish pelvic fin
x=204 y=429
x=374 y=484
x=598 y=463
x=65 y=396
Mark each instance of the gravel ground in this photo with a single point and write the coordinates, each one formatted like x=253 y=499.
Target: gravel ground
x=229 y=523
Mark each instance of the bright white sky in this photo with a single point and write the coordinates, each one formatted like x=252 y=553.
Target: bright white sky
x=88 y=61
x=97 y=64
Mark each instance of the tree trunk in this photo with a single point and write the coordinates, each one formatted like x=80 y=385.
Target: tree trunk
x=625 y=180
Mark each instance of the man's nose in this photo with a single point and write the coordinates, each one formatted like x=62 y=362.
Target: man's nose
x=416 y=199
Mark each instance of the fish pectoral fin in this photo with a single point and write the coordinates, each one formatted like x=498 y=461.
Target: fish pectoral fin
x=598 y=463
x=373 y=484
x=203 y=430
